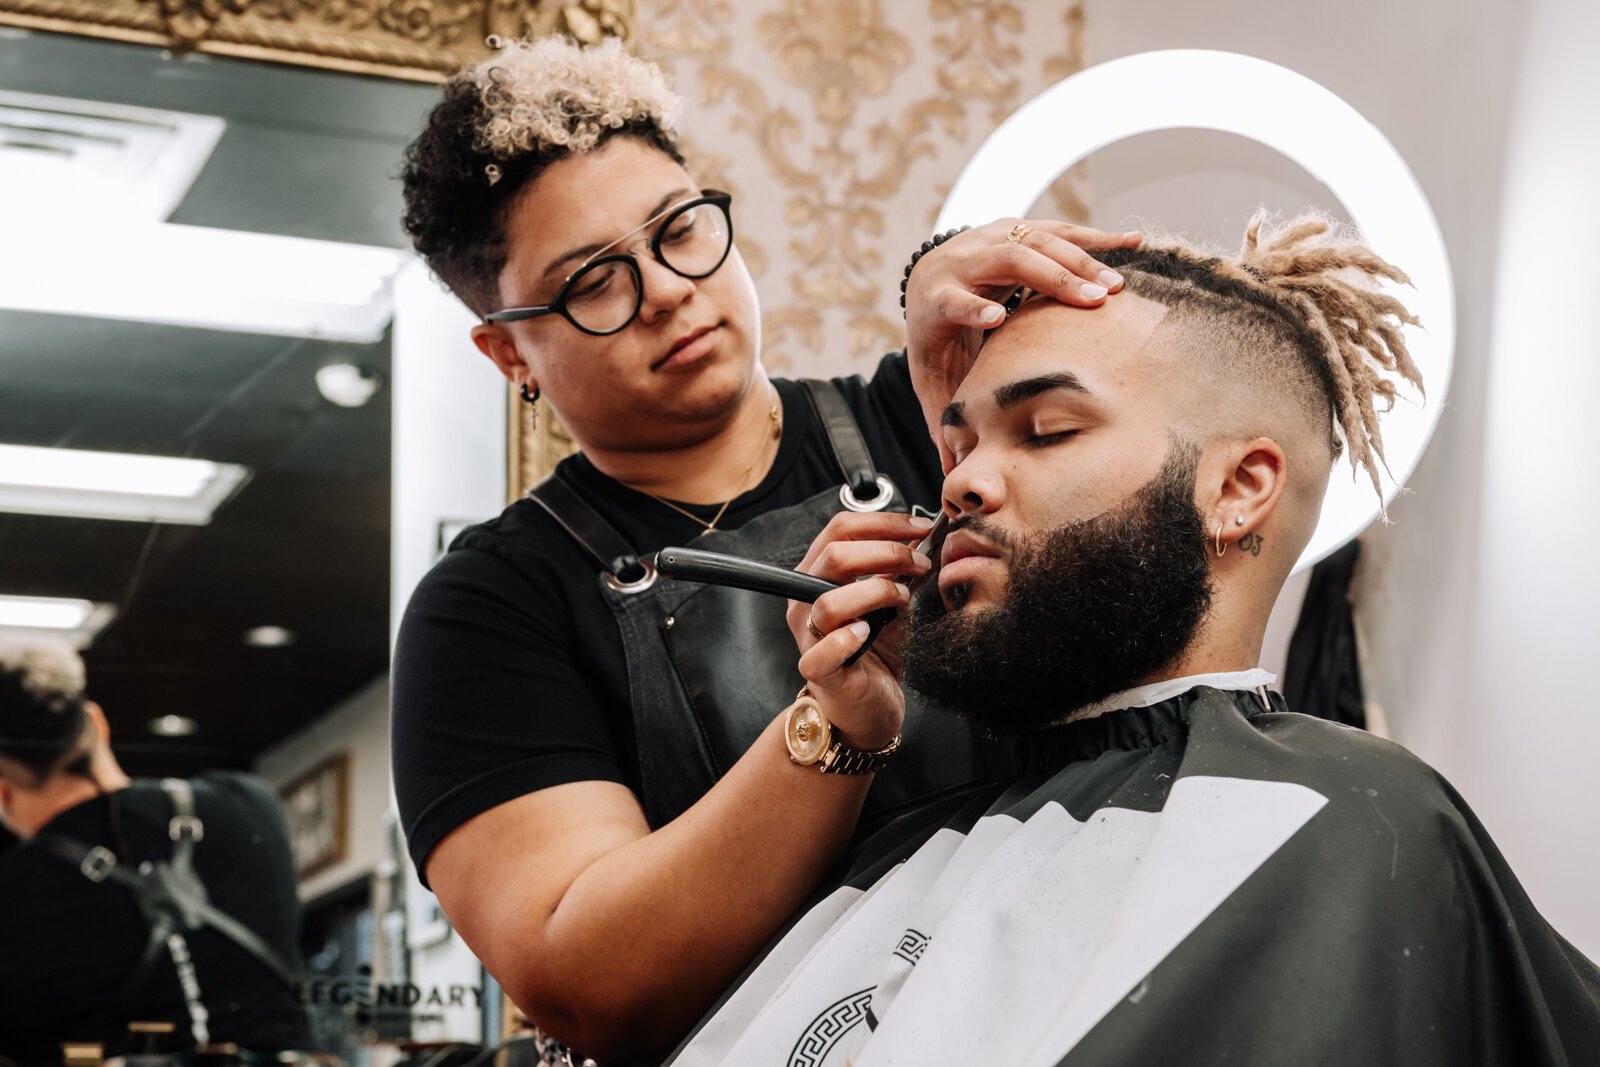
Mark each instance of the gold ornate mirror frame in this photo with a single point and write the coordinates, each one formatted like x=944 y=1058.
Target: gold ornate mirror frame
x=419 y=40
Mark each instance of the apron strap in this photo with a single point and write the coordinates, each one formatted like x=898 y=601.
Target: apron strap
x=169 y=892
x=587 y=527
x=844 y=437
x=621 y=563
x=185 y=829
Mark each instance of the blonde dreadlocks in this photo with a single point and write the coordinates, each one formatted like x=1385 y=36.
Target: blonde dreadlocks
x=1305 y=290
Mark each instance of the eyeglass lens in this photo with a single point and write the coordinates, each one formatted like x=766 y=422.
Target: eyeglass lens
x=604 y=296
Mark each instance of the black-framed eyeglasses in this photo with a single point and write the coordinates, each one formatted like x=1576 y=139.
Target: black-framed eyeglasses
x=691 y=239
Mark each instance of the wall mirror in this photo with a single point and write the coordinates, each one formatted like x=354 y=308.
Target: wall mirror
x=199 y=268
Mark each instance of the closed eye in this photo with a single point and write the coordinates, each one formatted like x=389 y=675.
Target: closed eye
x=1045 y=440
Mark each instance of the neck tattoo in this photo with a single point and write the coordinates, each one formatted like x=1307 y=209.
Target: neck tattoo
x=777 y=432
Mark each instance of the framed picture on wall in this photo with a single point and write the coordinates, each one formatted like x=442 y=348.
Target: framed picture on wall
x=317 y=807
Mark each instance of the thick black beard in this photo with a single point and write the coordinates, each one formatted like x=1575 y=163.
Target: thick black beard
x=1092 y=609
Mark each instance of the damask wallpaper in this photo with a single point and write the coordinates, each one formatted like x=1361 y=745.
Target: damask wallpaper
x=839 y=126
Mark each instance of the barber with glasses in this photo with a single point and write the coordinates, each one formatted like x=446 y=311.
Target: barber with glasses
x=597 y=767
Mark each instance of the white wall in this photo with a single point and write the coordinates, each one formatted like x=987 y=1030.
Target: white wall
x=449 y=469
x=1527 y=726
x=449 y=429
x=1474 y=603
x=359 y=727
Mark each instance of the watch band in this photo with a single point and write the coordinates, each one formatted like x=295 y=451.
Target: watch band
x=842 y=759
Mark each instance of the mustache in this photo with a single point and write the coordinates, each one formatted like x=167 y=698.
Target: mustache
x=981 y=527
x=927 y=599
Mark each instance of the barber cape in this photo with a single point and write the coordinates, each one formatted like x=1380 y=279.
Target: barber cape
x=1206 y=880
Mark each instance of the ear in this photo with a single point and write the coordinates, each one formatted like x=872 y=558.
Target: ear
x=1248 y=485
x=493 y=341
x=97 y=718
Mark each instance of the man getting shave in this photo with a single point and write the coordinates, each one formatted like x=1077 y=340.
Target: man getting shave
x=1185 y=871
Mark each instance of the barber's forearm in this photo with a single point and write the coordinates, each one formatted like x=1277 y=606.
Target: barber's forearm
x=649 y=935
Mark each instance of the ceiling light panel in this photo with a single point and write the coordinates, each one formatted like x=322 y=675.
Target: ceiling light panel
x=66 y=158
x=114 y=485
x=76 y=622
x=199 y=277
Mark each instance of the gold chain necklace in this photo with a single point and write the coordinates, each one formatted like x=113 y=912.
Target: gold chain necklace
x=777 y=433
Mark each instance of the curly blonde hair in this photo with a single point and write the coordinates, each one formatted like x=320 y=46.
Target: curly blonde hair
x=41 y=705
x=502 y=123
x=554 y=93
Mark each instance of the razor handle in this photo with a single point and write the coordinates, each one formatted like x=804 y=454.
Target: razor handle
x=736 y=572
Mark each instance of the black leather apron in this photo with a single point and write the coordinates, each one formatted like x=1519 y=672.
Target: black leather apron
x=709 y=667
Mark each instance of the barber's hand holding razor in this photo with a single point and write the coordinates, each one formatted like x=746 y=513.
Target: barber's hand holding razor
x=873 y=557
x=957 y=291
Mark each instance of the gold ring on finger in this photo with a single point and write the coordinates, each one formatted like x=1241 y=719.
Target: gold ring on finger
x=1018 y=232
x=811 y=624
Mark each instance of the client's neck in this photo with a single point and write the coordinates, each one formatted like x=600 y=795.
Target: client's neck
x=1229 y=640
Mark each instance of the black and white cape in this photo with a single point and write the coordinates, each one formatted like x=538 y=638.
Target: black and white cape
x=1201 y=881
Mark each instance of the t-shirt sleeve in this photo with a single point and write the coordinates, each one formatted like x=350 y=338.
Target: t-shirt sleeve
x=488 y=703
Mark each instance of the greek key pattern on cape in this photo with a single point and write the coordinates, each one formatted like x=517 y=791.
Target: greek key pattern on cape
x=913 y=943
x=836 y=1020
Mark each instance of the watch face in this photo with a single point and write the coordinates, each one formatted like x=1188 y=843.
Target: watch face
x=807 y=732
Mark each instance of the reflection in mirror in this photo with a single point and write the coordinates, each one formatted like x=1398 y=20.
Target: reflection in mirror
x=199 y=269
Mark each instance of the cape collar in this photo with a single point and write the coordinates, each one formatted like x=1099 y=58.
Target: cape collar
x=1145 y=696
x=1140 y=718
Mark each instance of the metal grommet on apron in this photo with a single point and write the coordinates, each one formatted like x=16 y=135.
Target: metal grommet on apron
x=627 y=587
x=877 y=502
x=709 y=667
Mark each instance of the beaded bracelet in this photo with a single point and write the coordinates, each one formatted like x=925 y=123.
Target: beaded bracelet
x=927 y=246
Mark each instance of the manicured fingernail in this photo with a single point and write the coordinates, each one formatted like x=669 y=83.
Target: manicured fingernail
x=1092 y=292
x=1133 y=233
x=992 y=315
x=905 y=590
x=921 y=559
x=920 y=523
x=860 y=628
x=1110 y=279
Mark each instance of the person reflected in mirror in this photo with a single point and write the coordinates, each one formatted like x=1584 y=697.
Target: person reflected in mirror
x=1184 y=870
x=129 y=899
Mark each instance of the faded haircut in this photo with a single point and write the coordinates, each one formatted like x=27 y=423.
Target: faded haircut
x=41 y=704
x=1299 y=309
x=500 y=125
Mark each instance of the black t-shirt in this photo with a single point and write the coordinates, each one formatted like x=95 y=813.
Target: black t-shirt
x=509 y=674
x=71 y=944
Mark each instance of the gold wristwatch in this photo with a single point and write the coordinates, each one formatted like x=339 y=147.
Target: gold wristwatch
x=812 y=740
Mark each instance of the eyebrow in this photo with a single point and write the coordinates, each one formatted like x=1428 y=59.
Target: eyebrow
x=590 y=249
x=1014 y=393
